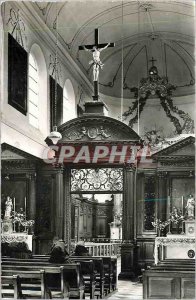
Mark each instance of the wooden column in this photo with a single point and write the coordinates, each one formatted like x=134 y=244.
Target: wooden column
x=59 y=203
x=31 y=198
x=128 y=248
x=162 y=196
x=67 y=207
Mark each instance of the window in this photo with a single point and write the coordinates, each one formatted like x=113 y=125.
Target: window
x=69 y=109
x=33 y=92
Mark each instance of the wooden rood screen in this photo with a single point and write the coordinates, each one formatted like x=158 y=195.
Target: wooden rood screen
x=103 y=180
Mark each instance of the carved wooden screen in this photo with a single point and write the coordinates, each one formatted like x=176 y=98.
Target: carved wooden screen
x=17 y=75
x=97 y=180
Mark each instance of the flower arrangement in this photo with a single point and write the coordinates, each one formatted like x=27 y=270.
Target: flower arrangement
x=160 y=225
x=176 y=216
x=20 y=218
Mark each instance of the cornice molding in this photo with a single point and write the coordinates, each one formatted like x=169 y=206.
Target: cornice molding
x=163 y=154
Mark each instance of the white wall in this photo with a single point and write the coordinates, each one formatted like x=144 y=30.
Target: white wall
x=15 y=129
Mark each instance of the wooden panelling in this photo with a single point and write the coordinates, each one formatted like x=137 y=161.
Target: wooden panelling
x=159 y=287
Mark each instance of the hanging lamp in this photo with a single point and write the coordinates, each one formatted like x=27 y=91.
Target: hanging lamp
x=54 y=135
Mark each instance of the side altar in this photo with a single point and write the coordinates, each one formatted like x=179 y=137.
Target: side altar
x=176 y=246
x=14 y=226
x=18 y=237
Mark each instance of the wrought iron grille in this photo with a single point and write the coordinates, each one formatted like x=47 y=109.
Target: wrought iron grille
x=97 y=180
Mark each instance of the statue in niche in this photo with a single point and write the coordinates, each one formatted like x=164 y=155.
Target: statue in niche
x=8 y=208
x=190 y=207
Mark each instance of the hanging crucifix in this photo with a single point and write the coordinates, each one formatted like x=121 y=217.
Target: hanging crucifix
x=96 y=62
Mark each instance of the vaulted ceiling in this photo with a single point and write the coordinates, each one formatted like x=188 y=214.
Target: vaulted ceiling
x=140 y=30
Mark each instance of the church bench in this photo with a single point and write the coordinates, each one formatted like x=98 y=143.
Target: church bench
x=11 y=287
x=71 y=275
x=168 y=284
x=99 y=273
x=88 y=273
x=33 y=283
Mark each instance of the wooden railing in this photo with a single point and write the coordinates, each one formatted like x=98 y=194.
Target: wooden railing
x=103 y=249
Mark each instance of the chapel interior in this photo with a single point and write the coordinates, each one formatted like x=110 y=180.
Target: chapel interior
x=98 y=149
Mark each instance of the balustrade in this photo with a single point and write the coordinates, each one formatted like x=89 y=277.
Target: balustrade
x=103 y=249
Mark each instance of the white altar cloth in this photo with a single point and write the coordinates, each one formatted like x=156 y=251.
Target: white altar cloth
x=17 y=237
x=173 y=246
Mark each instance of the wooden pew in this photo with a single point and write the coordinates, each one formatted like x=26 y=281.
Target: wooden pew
x=88 y=273
x=71 y=274
x=107 y=282
x=169 y=282
x=33 y=283
x=11 y=287
x=99 y=273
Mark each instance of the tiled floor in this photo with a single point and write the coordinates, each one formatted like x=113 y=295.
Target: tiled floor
x=127 y=290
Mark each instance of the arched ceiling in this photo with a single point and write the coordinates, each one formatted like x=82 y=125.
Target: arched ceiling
x=140 y=30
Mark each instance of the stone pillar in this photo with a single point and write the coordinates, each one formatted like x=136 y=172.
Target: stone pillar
x=128 y=248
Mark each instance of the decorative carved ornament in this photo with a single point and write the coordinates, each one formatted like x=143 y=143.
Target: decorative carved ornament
x=97 y=128
x=92 y=133
x=104 y=179
x=9 y=238
x=169 y=241
x=18 y=30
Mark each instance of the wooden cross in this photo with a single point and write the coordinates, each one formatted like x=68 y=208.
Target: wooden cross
x=152 y=61
x=96 y=44
x=96 y=48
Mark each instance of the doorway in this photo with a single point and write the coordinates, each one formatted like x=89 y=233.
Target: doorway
x=96 y=204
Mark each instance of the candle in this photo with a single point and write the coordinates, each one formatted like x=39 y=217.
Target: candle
x=169 y=205
x=14 y=206
x=14 y=213
x=182 y=205
x=25 y=207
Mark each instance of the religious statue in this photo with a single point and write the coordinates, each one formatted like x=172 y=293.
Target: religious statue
x=96 y=62
x=190 y=207
x=8 y=208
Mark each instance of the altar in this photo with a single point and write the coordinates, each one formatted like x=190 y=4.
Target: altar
x=175 y=246
x=18 y=237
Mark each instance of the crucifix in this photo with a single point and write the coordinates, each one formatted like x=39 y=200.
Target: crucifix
x=96 y=62
x=152 y=61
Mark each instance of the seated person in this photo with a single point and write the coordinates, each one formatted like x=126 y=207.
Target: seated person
x=81 y=250
x=19 y=250
x=59 y=253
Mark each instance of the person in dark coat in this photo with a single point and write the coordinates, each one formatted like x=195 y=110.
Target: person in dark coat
x=59 y=253
x=81 y=250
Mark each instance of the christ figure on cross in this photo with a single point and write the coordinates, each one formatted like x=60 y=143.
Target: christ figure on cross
x=96 y=62
x=96 y=50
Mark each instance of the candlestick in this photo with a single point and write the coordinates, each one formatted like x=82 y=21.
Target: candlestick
x=25 y=207
x=182 y=205
x=169 y=205
x=14 y=214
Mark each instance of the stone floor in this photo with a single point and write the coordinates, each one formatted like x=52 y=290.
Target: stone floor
x=127 y=290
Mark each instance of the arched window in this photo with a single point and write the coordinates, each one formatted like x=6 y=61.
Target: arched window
x=69 y=106
x=33 y=92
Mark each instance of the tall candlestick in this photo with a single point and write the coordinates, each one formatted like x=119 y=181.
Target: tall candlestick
x=14 y=214
x=14 y=206
x=25 y=207
x=182 y=205
x=169 y=205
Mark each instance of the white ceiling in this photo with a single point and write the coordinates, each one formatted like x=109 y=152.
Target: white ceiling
x=132 y=29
